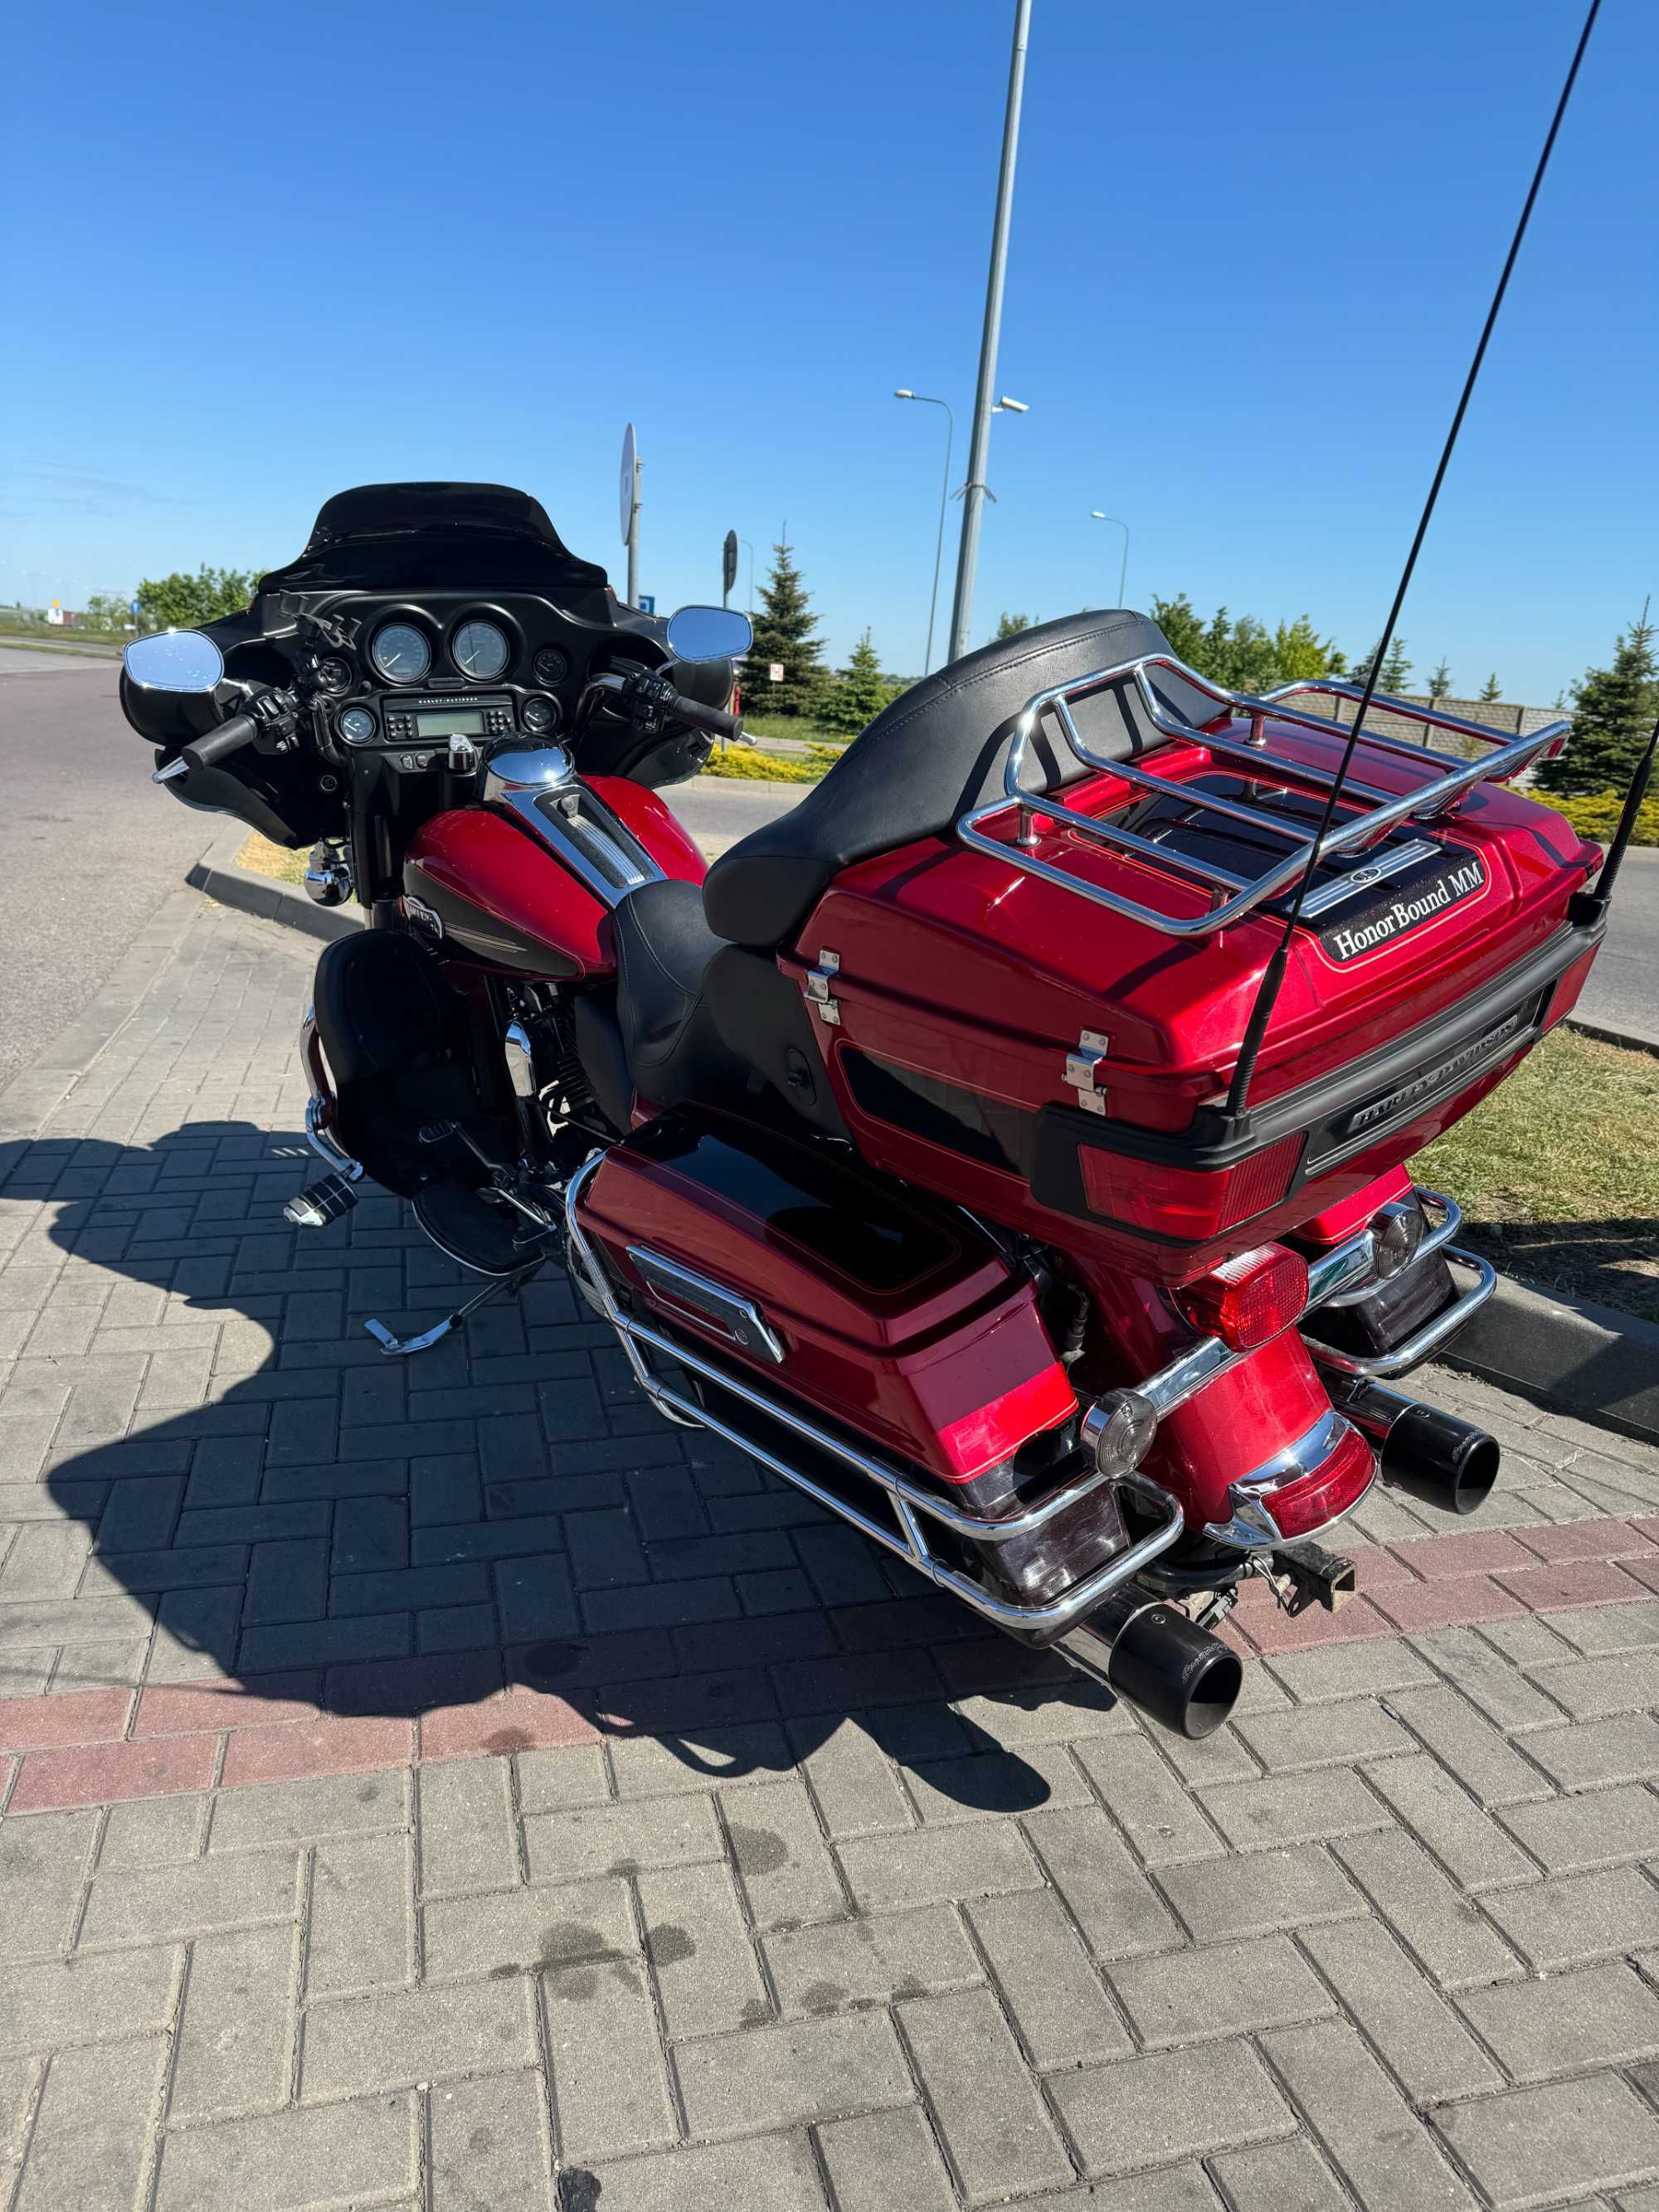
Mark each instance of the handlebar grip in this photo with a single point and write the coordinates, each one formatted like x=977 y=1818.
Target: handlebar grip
x=229 y=738
x=714 y=720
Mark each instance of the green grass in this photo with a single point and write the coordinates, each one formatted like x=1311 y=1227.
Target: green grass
x=1558 y=1173
x=265 y=858
x=796 y=726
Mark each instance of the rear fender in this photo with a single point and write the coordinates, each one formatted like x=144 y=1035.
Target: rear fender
x=1238 y=1424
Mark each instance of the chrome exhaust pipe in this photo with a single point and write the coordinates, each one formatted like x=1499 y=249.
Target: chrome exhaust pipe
x=1150 y=1652
x=1434 y=1455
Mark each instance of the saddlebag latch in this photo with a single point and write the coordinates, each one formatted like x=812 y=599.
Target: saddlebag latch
x=819 y=987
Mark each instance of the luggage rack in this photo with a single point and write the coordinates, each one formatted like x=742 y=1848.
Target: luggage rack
x=1231 y=896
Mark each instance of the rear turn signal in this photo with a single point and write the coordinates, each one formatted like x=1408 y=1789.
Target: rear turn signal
x=1249 y=1301
x=1118 y=1429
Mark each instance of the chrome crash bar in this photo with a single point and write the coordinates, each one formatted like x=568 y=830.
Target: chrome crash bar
x=1428 y=1339
x=321 y=1107
x=912 y=1505
x=1230 y=896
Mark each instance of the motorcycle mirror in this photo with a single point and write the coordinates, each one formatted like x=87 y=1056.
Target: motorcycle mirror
x=174 y=661
x=709 y=633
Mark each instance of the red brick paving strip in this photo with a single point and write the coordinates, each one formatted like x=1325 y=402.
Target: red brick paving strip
x=286 y=1753
x=93 y=1747
x=100 y=1773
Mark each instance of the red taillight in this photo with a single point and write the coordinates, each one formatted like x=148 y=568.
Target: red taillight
x=1249 y=1301
x=1336 y=1486
x=1185 y=1202
x=1565 y=996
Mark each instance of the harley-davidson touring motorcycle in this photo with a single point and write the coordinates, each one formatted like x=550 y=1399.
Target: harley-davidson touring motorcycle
x=915 y=1147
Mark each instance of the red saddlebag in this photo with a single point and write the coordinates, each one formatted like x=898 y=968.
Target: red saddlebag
x=899 y=1319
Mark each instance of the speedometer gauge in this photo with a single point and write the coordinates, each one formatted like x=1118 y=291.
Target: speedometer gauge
x=480 y=650
x=401 y=653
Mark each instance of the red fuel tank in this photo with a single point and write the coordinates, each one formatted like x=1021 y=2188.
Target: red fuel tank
x=515 y=900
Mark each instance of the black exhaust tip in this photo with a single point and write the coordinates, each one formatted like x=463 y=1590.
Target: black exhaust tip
x=1186 y=1679
x=1449 y=1462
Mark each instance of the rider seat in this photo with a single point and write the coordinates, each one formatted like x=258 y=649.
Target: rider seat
x=937 y=751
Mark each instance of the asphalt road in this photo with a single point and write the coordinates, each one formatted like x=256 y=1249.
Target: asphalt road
x=89 y=848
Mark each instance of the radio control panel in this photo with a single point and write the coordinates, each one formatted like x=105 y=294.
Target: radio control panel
x=422 y=720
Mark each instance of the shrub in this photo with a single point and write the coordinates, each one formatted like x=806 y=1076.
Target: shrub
x=1596 y=815
x=747 y=765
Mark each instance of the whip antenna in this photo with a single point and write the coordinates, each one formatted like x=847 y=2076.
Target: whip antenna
x=1273 y=976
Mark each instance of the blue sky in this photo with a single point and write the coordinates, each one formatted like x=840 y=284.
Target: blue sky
x=254 y=257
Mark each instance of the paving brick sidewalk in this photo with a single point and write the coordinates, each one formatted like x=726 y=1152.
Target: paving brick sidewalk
x=445 y=1785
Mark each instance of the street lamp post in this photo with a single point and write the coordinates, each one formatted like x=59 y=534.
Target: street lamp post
x=943 y=501
x=1095 y=515
x=961 y=614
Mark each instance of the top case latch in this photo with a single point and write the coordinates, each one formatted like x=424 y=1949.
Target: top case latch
x=1086 y=1070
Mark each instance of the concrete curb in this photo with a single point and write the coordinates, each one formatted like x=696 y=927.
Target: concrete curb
x=1628 y=1039
x=1563 y=1352
x=1566 y=1353
x=217 y=875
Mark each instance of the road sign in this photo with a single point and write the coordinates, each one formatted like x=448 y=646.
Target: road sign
x=729 y=561
x=133 y=608
x=648 y=603
x=627 y=484
x=775 y=672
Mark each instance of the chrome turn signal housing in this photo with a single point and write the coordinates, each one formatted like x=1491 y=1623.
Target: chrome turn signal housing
x=1118 y=1431
x=1397 y=1230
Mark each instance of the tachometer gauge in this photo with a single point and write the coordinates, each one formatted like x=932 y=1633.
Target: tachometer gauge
x=401 y=653
x=356 y=725
x=480 y=650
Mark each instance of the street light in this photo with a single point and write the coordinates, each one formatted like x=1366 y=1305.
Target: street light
x=1095 y=515
x=1010 y=407
x=943 y=501
x=962 y=613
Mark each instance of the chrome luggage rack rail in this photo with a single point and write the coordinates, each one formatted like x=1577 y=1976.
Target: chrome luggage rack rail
x=1231 y=896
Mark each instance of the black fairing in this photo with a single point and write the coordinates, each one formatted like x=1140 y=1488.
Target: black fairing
x=407 y=540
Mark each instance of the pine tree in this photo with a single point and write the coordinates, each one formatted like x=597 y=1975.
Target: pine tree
x=1440 y=683
x=1395 y=669
x=1491 y=689
x=858 y=693
x=785 y=632
x=1614 y=710
x=1243 y=653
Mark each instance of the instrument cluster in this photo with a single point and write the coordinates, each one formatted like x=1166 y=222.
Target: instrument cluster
x=400 y=672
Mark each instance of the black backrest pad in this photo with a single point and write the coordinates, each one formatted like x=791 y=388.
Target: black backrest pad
x=937 y=750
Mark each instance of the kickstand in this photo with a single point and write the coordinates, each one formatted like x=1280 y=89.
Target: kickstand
x=402 y=1347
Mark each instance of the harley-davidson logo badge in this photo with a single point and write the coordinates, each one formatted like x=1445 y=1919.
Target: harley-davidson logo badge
x=1443 y=1075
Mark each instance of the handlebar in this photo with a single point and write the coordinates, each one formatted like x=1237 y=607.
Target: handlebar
x=218 y=744
x=270 y=715
x=714 y=720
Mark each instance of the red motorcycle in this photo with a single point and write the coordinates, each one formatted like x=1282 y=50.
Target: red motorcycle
x=940 y=1146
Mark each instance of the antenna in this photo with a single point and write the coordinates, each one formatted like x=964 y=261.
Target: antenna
x=1273 y=975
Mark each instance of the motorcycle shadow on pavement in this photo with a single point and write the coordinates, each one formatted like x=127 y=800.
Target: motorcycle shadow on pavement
x=501 y=1518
